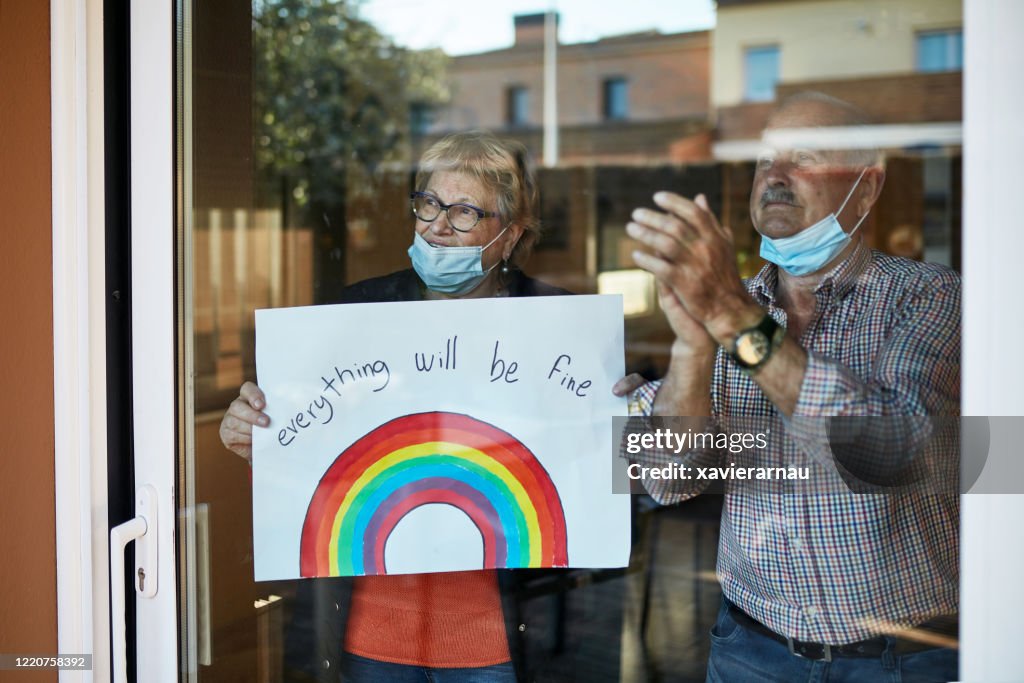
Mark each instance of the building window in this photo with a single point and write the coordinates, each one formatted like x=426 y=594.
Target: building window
x=761 y=73
x=940 y=50
x=615 y=99
x=517 y=106
x=421 y=117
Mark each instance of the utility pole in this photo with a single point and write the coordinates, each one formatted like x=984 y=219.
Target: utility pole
x=551 y=88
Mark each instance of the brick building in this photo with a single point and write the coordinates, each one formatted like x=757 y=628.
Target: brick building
x=636 y=98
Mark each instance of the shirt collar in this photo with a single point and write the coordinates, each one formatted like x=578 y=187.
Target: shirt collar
x=763 y=285
x=835 y=285
x=841 y=279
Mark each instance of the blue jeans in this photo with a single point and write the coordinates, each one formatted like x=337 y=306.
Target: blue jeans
x=739 y=655
x=356 y=669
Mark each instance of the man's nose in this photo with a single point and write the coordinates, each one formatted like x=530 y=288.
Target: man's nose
x=777 y=174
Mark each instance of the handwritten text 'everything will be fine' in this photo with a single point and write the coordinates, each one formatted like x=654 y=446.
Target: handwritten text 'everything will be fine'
x=376 y=375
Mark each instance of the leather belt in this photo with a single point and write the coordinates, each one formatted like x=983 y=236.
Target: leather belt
x=869 y=648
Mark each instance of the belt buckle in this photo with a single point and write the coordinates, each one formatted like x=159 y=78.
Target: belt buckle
x=826 y=650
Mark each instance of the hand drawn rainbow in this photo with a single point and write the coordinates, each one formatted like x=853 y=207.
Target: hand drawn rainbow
x=425 y=458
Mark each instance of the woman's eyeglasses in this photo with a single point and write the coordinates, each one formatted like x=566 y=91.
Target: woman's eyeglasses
x=462 y=217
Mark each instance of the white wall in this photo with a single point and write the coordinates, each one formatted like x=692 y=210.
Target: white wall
x=823 y=39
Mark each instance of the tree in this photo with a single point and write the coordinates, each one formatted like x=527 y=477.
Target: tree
x=332 y=102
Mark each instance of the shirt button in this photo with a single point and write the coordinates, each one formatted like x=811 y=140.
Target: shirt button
x=797 y=543
x=811 y=612
x=337 y=607
x=522 y=627
x=327 y=664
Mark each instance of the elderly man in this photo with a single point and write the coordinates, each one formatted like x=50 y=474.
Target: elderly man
x=816 y=586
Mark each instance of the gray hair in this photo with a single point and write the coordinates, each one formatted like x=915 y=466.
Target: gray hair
x=845 y=129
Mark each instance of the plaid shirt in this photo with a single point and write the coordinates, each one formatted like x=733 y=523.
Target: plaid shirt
x=838 y=568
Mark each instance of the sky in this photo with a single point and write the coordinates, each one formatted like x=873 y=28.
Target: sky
x=466 y=26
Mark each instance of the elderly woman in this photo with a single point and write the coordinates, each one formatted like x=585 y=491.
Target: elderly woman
x=475 y=207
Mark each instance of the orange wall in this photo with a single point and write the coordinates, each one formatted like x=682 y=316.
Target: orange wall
x=28 y=576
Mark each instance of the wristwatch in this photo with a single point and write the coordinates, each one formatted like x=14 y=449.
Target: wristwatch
x=754 y=346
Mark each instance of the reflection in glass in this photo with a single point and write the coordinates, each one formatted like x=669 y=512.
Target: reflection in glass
x=761 y=73
x=940 y=50
x=307 y=120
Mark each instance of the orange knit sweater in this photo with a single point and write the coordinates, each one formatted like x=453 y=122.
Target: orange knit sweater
x=445 y=620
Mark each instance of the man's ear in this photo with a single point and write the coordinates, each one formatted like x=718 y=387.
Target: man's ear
x=870 y=189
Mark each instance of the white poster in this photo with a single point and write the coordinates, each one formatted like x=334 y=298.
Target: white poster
x=438 y=436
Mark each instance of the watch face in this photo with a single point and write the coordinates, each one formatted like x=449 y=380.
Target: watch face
x=752 y=346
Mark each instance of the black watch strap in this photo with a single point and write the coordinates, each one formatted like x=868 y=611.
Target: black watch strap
x=754 y=346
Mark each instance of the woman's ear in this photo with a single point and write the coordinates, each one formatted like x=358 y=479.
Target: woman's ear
x=515 y=232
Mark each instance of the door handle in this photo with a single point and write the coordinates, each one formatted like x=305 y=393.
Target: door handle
x=143 y=529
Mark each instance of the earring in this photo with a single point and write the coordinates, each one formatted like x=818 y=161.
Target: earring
x=504 y=266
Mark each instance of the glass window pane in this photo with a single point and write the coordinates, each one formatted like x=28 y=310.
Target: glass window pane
x=616 y=98
x=940 y=51
x=956 y=50
x=762 y=73
x=310 y=119
x=518 y=107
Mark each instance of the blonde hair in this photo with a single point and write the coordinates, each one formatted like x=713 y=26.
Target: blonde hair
x=502 y=167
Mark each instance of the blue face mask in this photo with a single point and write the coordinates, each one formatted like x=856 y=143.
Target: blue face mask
x=812 y=248
x=450 y=270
